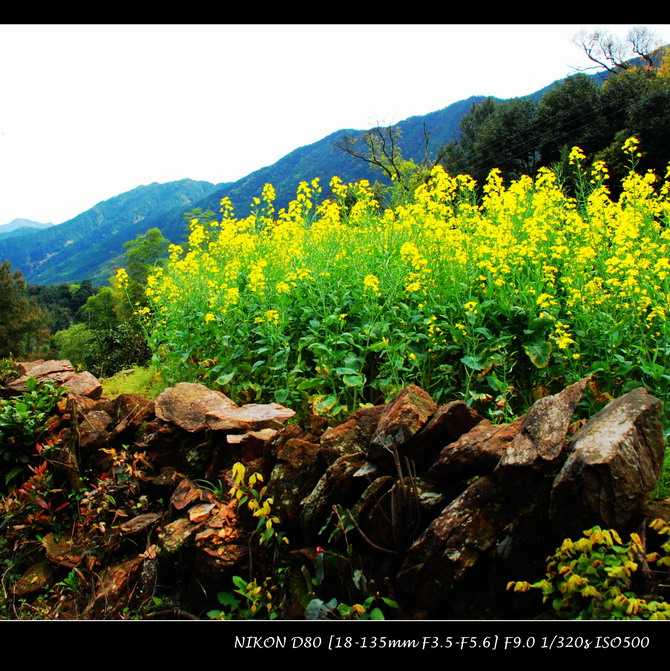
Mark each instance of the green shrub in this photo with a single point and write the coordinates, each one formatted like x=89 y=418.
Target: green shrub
x=595 y=577
x=22 y=423
x=103 y=352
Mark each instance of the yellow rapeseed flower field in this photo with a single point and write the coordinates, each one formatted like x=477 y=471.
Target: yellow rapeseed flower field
x=493 y=299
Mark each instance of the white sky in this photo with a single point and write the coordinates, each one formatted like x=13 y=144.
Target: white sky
x=91 y=111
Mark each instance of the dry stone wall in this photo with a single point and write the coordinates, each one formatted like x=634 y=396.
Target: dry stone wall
x=444 y=506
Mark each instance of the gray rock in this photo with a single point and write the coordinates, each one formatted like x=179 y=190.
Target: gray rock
x=614 y=462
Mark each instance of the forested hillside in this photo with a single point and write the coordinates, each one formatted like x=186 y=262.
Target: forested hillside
x=88 y=246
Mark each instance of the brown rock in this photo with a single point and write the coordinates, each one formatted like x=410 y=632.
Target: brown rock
x=477 y=452
x=58 y=371
x=403 y=417
x=187 y=493
x=448 y=423
x=85 y=384
x=35 y=578
x=94 y=430
x=353 y=435
x=543 y=433
x=221 y=544
x=131 y=411
x=252 y=445
x=194 y=407
x=140 y=523
x=613 y=463
x=658 y=508
x=62 y=551
x=176 y=535
x=114 y=591
x=250 y=417
x=442 y=557
x=337 y=486
x=295 y=474
x=215 y=561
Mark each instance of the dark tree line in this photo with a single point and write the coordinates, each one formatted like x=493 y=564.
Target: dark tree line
x=520 y=135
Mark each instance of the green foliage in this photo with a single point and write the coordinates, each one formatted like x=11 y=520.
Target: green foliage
x=520 y=135
x=103 y=352
x=22 y=423
x=496 y=134
x=599 y=577
x=7 y=371
x=100 y=311
x=247 y=492
x=570 y=114
x=662 y=489
x=146 y=382
x=258 y=601
x=20 y=318
x=370 y=609
x=142 y=255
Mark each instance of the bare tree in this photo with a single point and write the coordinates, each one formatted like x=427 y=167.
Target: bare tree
x=380 y=147
x=613 y=53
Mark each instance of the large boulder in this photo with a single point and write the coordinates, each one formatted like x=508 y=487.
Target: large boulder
x=476 y=452
x=451 y=546
x=613 y=463
x=186 y=405
x=84 y=384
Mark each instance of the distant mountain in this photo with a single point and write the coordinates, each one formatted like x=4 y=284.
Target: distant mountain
x=91 y=244
x=20 y=227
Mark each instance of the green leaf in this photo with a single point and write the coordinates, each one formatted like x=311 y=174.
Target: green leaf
x=472 y=362
x=223 y=380
x=342 y=370
x=377 y=614
x=353 y=380
x=227 y=599
x=538 y=352
x=315 y=610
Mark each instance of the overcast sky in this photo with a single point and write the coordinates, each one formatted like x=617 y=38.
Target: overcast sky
x=91 y=111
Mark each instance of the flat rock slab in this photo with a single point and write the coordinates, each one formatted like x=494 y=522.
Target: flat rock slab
x=57 y=371
x=250 y=417
x=39 y=369
x=186 y=405
x=193 y=407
